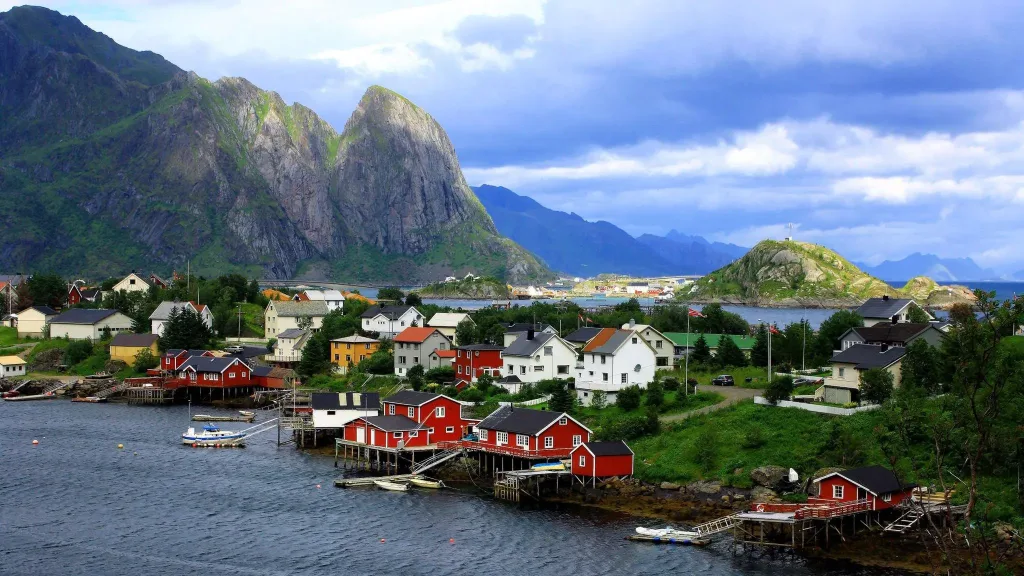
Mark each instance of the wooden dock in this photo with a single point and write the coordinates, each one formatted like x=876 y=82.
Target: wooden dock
x=31 y=398
x=668 y=540
x=209 y=418
x=369 y=480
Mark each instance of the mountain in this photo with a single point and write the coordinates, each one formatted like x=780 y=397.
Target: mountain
x=941 y=269
x=729 y=249
x=800 y=274
x=112 y=159
x=568 y=243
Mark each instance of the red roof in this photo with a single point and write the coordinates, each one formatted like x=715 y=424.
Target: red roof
x=597 y=341
x=199 y=307
x=415 y=334
x=445 y=353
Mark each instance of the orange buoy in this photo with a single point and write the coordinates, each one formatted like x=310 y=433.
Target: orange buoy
x=451 y=540
x=34 y=442
x=382 y=540
x=317 y=486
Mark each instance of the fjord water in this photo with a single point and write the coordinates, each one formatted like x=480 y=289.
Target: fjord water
x=77 y=505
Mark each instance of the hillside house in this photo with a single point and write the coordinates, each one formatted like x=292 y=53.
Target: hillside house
x=12 y=366
x=530 y=433
x=888 y=334
x=664 y=349
x=126 y=347
x=389 y=321
x=79 y=294
x=843 y=386
x=887 y=310
x=159 y=282
x=334 y=299
x=158 y=319
x=536 y=356
x=601 y=460
x=440 y=416
x=475 y=360
x=514 y=331
x=447 y=322
x=579 y=337
x=443 y=358
x=288 y=348
x=32 y=321
x=683 y=342
x=85 y=324
x=209 y=372
x=282 y=316
x=132 y=283
x=414 y=345
x=876 y=485
x=351 y=350
x=613 y=360
x=335 y=410
x=172 y=360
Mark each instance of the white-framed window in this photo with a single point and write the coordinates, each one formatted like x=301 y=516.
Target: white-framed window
x=449 y=430
x=460 y=353
x=549 y=350
x=563 y=369
x=583 y=459
x=522 y=369
x=483 y=434
x=458 y=370
x=577 y=440
x=563 y=420
x=538 y=368
x=887 y=497
x=502 y=438
x=439 y=411
x=330 y=412
x=411 y=412
x=549 y=441
x=657 y=344
x=603 y=358
x=430 y=430
x=391 y=409
x=414 y=433
x=604 y=376
x=842 y=372
x=623 y=377
x=837 y=492
x=523 y=441
x=634 y=339
x=398 y=435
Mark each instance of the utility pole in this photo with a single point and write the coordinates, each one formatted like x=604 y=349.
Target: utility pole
x=239 y=334
x=803 y=349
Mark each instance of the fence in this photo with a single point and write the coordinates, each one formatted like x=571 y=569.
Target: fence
x=820 y=409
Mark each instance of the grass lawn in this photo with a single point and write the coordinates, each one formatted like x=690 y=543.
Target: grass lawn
x=45 y=345
x=9 y=336
x=675 y=402
x=252 y=321
x=758 y=376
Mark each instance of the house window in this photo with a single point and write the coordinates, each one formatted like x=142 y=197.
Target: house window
x=459 y=353
x=414 y=434
x=603 y=359
x=367 y=346
x=449 y=430
x=483 y=434
x=577 y=440
x=477 y=354
x=502 y=438
x=131 y=281
x=604 y=376
x=583 y=459
x=411 y=412
x=538 y=368
x=439 y=412
x=430 y=430
x=591 y=372
x=563 y=369
x=459 y=369
x=842 y=372
x=348 y=357
x=837 y=492
x=563 y=421
x=391 y=409
x=522 y=369
x=511 y=369
x=337 y=357
x=523 y=441
x=398 y=435
x=401 y=359
x=634 y=339
x=657 y=344
x=549 y=441
x=416 y=360
x=330 y=412
x=549 y=350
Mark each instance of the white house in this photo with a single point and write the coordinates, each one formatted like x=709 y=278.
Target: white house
x=11 y=366
x=289 y=345
x=843 y=386
x=282 y=316
x=613 y=360
x=85 y=324
x=447 y=322
x=389 y=321
x=334 y=299
x=514 y=331
x=162 y=313
x=664 y=349
x=886 y=309
x=132 y=283
x=536 y=356
x=334 y=410
x=32 y=321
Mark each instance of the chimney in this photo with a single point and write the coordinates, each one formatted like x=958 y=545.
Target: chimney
x=885 y=348
x=529 y=334
x=632 y=323
x=885 y=297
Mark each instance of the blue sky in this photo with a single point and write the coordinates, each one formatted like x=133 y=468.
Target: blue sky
x=878 y=128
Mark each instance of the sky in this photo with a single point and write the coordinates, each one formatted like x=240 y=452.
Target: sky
x=876 y=128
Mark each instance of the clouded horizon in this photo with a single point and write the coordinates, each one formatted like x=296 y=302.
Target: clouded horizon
x=877 y=128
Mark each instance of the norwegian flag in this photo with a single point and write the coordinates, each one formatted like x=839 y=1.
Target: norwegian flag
x=695 y=313
x=773 y=330
x=580 y=316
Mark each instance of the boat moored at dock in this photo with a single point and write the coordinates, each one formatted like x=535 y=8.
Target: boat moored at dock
x=243 y=416
x=393 y=486
x=211 y=435
x=89 y=399
x=424 y=483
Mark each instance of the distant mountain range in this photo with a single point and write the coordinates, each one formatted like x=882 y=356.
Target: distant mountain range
x=568 y=243
x=936 y=268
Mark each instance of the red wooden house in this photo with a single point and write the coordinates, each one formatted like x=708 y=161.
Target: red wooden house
x=174 y=359
x=74 y=295
x=602 y=460
x=875 y=485
x=475 y=360
x=529 y=433
x=209 y=372
x=439 y=414
x=387 y=432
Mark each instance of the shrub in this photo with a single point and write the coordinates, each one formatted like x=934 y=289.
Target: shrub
x=415 y=375
x=439 y=374
x=754 y=438
x=671 y=384
x=707 y=450
x=779 y=389
x=484 y=383
x=145 y=360
x=876 y=385
x=628 y=399
x=77 y=351
x=600 y=399
x=655 y=395
x=470 y=394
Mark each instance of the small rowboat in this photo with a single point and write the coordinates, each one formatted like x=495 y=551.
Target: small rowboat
x=424 y=483
x=89 y=399
x=394 y=486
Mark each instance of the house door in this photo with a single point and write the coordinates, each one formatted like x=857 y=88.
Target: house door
x=862 y=494
x=373 y=436
x=361 y=435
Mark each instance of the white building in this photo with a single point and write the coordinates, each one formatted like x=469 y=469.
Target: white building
x=664 y=349
x=159 y=317
x=514 y=331
x=887 y=310
x=282 y=316
x=536 y=356
x=447 y=322
x=334 y=299
x=132 y=283
x=289 y=345
x=613 y=360
x=32 y=321
x=11 y=366
x=331 y=410
x=389 y=321
x=85 y=324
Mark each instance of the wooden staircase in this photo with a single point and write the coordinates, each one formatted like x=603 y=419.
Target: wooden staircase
x=717 y=526
x=905 y=522
x=436 y=459
x=108 y=392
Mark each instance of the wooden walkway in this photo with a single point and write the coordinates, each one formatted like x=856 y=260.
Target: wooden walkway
x=369 y=480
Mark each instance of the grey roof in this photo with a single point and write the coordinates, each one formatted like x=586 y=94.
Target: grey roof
x=411 y=398
x=583 y=335
x=298 y=309
x=390 y=312
x=614 y=448
x=524 y=347
x=355 y=339
x=83 y=316
x=867 y=356
x=612 y=343
x=291 y=333
x=345 y=401
x=519 y=420
x=393 y=423
x=877 y=479
x=882 y=307
x=163 y=311
x=134 y=340
x=526 y=326
x=510 y=379
x=44 y=310
x=208 y=364
x=89 y=293
x=887 y=332
x=262 y=371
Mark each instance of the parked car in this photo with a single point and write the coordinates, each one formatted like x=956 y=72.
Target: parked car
x=723 y=380
x=234 y=349
x=808 y=380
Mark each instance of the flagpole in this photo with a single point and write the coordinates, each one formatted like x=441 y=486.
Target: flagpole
x=769 y=352
x=686 y=367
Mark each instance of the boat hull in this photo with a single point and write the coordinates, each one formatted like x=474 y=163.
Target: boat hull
x=420 y=483
x=392 y=486
x=233 y=440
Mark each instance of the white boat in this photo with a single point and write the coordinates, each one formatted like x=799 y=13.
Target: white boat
x=424 y=483
x=212 y=436
x=549 y=466
x=668 y=532
x=395 y=486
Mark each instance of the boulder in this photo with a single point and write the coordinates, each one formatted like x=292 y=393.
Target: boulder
x=769 y=476
x=762 y=494
x=704 y=487
x=47 y=360
x=739 y=497
x=669 y=486
x=725 y=498
x=114 y=366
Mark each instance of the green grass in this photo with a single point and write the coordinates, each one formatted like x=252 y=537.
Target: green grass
x=45 y=345
x=252 y=320
x=675 y=402
x=9 y=336
x=704 y=376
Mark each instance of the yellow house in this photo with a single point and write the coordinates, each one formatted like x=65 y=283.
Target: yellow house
x=352 y=350
x=125 y=347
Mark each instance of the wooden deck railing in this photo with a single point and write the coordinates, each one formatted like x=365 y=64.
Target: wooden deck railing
x=505 y=450
x=833 y=510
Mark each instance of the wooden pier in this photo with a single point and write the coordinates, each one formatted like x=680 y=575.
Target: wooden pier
x=369 y=480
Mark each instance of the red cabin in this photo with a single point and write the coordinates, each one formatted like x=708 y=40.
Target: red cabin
x=875 y=485
x=74 y=295
x=475 y=360
x=387 y=432
x=530 y=433
x=174 y=359
x=439 y=414
x=215 y=372
x=602 y=460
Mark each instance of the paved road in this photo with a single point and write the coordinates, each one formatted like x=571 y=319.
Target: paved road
x=732 y=395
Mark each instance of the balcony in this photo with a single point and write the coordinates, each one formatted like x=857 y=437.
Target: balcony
x=506 y=450
x=283 y=358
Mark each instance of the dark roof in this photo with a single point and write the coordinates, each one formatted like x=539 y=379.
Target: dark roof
x=45 y=310
x=888 y=332
x=134 y=340
x=519 y=420
x=481 y=347
x=867 y=356
x=83 y=316
x=345 y=400
x=291 y=333
x=411 y=398
x=583 y=335
x=393 y=423
x=249 y=352
x=526 y=326
x=882 y=307
x=391 y=312
x=196 y=352
x=615 y=448
x=877 y=479
x=524 y=347
x=261 y=370
x=89 y=293
x=208 y=364
x=512 y=379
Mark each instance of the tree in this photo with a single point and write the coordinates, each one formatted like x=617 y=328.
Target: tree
x=47 y=290
x=380 y=362
x=391 y=293
x=729 y=354
x=789 y=348
x=145 y=360
x=440 y=375
x=413 y=299
x=562 y=399
x=271 y=344
x=655 y=395
x=918 y=316
x=185 y=330
x=920 y=368
x=466 y=333
x=316 y=356
x=304 y=323
x=780 y=388
x=701 y=352
x=22 y=297
x=827 y=339
x=718 y=321
x=484 y=383
x=706 y=454
x=628 y=399
x=77 y=351
x=599 y=400
x=415 y=376
x=759 y=353
x=876 y=385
